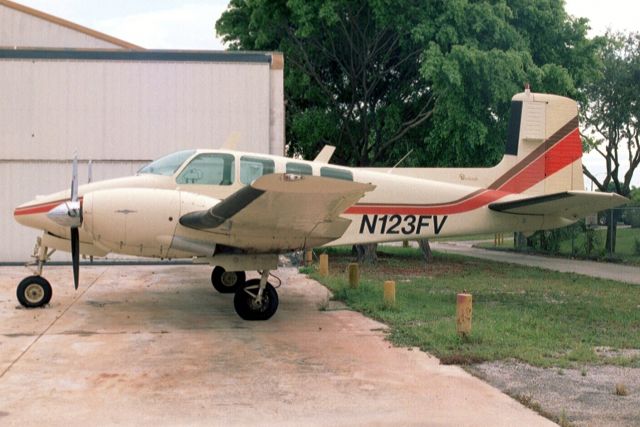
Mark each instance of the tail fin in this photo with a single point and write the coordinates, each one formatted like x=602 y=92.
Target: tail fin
x=544 y=150
x=543 y=153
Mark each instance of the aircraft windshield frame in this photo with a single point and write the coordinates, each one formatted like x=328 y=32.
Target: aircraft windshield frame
x=167 y=165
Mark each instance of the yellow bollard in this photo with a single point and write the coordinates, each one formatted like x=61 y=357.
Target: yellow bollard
x=464 y=310
x=324 y=265
x=354 y=275
x=308 y=257
x=390 y=292
x=405 y=243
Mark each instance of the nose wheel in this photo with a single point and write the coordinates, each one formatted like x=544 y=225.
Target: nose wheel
x=256 y=299
x=227 y=282
x=34 y=291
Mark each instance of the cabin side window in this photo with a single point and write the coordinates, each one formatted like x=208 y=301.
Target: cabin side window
x=336 y=173
x=252 y=168
x=209 y=169
x=299 y=168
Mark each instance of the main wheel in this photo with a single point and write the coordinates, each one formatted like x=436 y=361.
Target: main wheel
x=34 y=291
x=248 y=308
x=227 y=282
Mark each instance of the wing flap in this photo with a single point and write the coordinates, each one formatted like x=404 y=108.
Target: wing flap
x=568 y=204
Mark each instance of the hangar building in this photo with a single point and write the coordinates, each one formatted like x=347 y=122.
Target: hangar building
x=66 y=88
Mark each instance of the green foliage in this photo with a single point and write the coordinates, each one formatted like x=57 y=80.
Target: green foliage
x=537 y=316
x=632 y=217
x=378 y=78
x=612 y=110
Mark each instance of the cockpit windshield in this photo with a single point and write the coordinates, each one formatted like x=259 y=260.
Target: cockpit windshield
x=167 y=165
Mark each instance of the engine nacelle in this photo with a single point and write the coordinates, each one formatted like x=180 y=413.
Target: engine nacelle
x=131 y=220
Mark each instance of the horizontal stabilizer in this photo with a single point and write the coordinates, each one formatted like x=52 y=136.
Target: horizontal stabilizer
x=567 y=204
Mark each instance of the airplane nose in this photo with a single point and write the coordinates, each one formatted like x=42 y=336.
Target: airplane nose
x=33 y=213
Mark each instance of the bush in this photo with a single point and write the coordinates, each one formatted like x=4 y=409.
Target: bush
x=633 y=217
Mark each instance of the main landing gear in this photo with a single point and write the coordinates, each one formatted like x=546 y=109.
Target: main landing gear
x=227 y=282
x=35 y=291
x=254 y=299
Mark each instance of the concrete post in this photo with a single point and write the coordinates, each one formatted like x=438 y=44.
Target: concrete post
x=354 y=275
x=390 y=292
x=324 y=265
x=464 y=311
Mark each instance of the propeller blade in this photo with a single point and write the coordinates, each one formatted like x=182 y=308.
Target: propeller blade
x=74 y=179
x=75 y=254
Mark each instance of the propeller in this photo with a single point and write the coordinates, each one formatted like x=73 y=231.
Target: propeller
x=69 y=214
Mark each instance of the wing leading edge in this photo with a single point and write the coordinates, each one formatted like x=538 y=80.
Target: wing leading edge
x=280 y=212
x=567 y=204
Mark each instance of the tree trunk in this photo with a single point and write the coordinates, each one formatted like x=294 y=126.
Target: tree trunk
x=427 y=255
x=367 y=253
x=519 y=242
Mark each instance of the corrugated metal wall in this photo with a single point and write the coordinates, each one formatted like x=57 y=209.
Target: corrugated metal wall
x=120 y=113
x=129 y=110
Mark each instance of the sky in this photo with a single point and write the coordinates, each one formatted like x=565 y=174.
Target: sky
x=175 y=24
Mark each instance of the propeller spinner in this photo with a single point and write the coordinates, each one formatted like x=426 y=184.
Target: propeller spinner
x=69 y=214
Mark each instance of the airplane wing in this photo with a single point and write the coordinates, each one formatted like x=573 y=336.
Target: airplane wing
x=281 y=211
x=568 y=204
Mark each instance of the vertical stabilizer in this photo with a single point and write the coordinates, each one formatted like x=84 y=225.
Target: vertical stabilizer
x=544 y=151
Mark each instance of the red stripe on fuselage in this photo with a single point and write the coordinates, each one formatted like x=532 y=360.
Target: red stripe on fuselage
x=39 y=208
x=566 y=151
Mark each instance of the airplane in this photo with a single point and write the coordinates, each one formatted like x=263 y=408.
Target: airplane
x=238 y=211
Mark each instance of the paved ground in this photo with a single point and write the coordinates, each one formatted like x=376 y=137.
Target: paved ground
x=621 y=273
x=155 y=345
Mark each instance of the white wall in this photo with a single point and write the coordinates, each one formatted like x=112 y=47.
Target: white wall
x=26 y=30
x=130 y=110
x=122 y=114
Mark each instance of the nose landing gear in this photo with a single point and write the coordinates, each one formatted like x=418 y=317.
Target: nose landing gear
x=35 y=291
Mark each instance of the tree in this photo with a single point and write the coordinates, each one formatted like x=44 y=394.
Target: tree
x=612 y=115
x=378 y=78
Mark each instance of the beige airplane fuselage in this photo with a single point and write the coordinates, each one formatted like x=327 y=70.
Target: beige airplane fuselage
x=139 y=215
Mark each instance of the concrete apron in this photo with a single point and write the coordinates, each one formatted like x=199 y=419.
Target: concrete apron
x=156 y=345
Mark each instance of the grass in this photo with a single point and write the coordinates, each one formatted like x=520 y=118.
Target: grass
x=540 y=317
x=625 y=245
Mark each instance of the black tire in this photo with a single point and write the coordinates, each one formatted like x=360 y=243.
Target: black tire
x=34 y=291
x=244 y=304
x=227 y=282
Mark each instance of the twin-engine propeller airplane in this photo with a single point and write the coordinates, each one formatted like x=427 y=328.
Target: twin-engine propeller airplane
x=238 y=211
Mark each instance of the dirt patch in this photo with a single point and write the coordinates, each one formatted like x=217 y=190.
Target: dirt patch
x=581 y=397
x=460 y=359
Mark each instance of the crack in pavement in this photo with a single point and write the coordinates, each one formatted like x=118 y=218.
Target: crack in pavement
x=40 y=335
